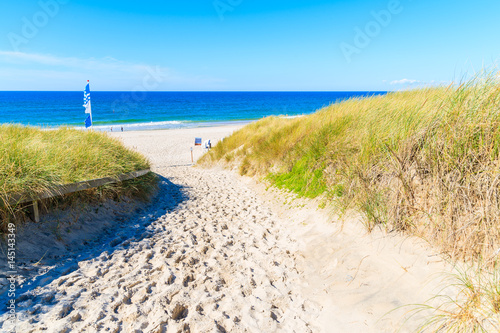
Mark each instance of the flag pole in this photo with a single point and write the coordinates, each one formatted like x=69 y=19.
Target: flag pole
x=90 y=108
x=87 y=105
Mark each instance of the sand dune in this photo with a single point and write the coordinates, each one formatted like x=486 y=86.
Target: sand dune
x=215 y=252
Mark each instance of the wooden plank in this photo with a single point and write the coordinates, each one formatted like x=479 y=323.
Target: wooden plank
x=34 y=213
x=18 y=198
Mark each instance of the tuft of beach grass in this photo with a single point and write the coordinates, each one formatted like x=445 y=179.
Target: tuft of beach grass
x=468 y=302
x=33 y=160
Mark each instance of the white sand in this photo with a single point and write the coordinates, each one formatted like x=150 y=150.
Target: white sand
x=216 y=252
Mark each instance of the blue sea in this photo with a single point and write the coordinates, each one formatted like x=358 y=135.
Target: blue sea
x=160 y=110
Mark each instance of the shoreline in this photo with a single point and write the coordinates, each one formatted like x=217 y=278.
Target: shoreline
x=157 y=126
x=168 y=125
x=180 y=125
x=144 y=127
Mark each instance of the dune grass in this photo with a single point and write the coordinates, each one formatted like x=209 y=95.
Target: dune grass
x=473 y=306
x=33 y=160
x=424 y=161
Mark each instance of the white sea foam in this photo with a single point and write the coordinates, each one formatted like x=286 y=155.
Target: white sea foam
x=162 y=125
x=144 y=126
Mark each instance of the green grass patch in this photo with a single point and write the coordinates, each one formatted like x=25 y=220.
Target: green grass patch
x=301 y=179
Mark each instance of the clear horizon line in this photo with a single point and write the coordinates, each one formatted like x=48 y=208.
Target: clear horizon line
x=222 y=91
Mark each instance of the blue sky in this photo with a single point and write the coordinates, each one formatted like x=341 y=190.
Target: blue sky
x=241 y=45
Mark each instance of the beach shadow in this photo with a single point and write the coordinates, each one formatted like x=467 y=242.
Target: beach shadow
x=124 y=228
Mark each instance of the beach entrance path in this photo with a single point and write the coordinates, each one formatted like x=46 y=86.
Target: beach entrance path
x=224 y=256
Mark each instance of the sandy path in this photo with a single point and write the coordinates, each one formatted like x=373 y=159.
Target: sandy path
x=217 y=253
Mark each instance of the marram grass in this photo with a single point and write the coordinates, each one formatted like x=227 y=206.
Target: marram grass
x=474 y=308
x=33 y=160
x=425 y=161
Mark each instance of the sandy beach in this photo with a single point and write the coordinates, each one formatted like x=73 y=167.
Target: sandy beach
x=216 y=252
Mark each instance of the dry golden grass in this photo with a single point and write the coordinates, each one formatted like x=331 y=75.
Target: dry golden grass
x=424 y=161
x=475 y=308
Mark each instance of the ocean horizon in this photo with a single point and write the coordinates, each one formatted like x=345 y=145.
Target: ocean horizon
x=160 y=110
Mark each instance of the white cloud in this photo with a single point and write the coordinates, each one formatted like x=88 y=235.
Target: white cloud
x=104 y=64
x=31 y=71
x=405 y=81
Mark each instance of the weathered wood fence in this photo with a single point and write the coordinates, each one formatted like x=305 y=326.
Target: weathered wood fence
x=19 y=198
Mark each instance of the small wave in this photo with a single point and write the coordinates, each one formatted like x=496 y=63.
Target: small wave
x=142 y=126
x=147 y=124
x=174 y=124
